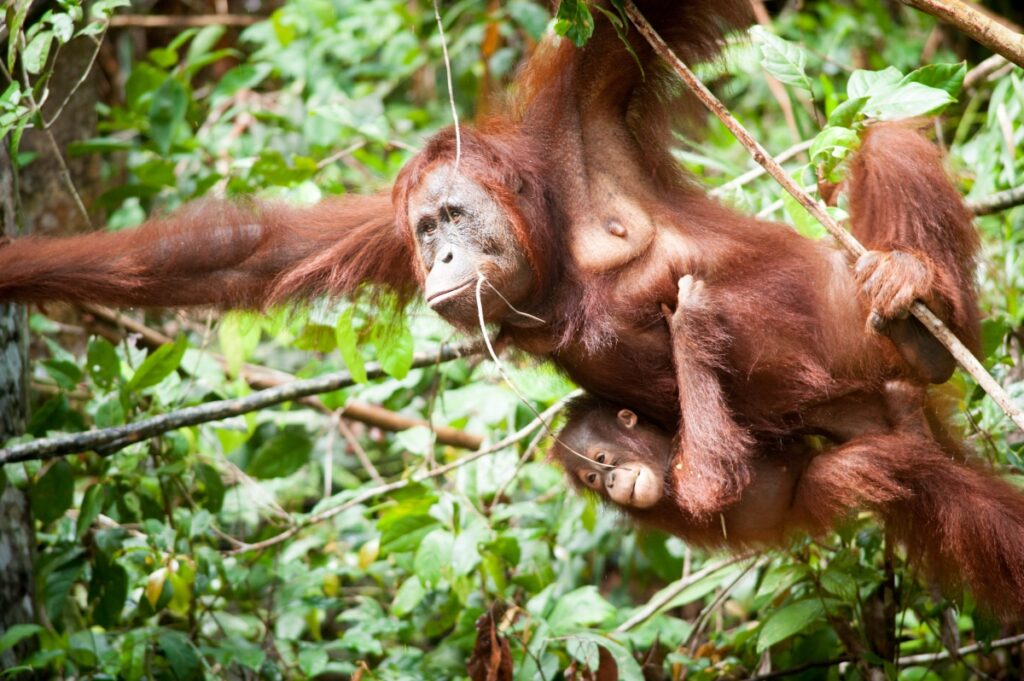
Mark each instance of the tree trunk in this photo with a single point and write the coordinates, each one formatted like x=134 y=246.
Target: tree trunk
x=17 y=540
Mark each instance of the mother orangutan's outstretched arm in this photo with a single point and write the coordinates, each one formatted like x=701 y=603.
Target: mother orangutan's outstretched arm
x=223 y=253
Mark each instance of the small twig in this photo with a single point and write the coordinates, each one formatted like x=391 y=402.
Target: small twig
x=80 y=82
x=990 y=33
x=451 y=88
x=983 y=70
x=927 y=658
x=195 y=21
x=793 y=671
x=757 y=172
x=702 y=617
x=105 y=441
x=357 y=448
x=654 y=606
x=998 y=202
x=366 y=495
x=967 y=360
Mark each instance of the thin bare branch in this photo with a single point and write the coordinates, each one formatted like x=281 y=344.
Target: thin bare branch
x=928 y=658
x=194 y=21
x=987 y=31
x=966 y=360
x=998 y=202
x=665 y=596
x=105 y=441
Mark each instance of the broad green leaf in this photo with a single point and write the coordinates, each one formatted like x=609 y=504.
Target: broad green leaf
x=394 y=344
x=408 y=596
x=166 y=112
x=242 y=77
x=238 y=335
x=787 y=621
x=574 y=21
x=532 y=17
x=313 y=660
x=846 y=114
x=781 y=58
x=872 y=83
x=948 y=77
x=38 y=50
x=93 y=501
x=18 y=632
x=109 y=590
x=433 y=554
x=831 y=146
x=281 y=455
x=907 y=101
x=628 y=668
x=583 y=607
x=53 y=493
x=804 y=222
x=184 y=661
x=102 y=362
x=66 y=374
x=348 y=345
x=837 y=581
x=159 y=365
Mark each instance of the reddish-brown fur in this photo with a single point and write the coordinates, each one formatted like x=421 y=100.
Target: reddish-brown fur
x=584 y=142
x=959 y=522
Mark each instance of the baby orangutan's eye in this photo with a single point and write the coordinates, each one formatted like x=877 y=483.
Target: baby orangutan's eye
x=591 y=479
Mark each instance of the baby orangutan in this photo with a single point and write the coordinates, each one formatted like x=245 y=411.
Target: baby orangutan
x=959 y=522
x=627 y=463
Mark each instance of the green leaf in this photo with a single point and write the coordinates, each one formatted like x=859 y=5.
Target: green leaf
x=65 y=373
x=408 y=596
x=348 y=345
x=184 y=661
x=868 y=83
x=530 y=16
x=109 y=412
x=53 y=493
x=166 y=112
x=38 y=49
x=948 y=77
x=394 y=344
x=18 y=632
x=93 y=501
x=434 y=553
x=580 y=608
x=574 y=21
x=787 y=621
x=239 y=335
x=212 y=487
x=847 y=113
x=159 y=365
x=281 y=455
x=204 y=41
x=831 y=146
x=784 y=60
x=102 y=363
x=802 y=220
x=907 y=101
x=837 y=581
x=109 y=589
x=242 y=77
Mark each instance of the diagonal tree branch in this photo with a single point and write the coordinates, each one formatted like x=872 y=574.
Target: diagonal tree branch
x=1000 y=201
x=108 y=440
x=987 y=31
x=966 y=360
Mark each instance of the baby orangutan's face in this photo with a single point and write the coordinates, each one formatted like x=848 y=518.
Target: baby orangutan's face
x=612 y=455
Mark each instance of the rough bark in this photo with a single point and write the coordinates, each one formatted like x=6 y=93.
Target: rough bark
x=16 y=535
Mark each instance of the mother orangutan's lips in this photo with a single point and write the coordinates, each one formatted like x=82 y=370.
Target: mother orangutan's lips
x=435 y=298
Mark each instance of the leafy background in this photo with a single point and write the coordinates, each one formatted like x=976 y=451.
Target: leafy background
x=138 y=573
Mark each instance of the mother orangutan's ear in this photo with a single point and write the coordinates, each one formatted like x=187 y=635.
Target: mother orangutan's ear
x=627 y=418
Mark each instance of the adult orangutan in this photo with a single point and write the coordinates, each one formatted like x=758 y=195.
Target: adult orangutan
x=572 y=210
x=959 y=521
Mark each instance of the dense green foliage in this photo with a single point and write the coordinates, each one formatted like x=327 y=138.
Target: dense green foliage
x=139 y=569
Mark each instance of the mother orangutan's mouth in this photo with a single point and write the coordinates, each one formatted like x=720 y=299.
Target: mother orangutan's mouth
x=441 y=296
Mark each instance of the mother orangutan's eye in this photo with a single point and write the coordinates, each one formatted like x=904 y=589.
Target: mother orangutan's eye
x=426 y=227
x=600 y=458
